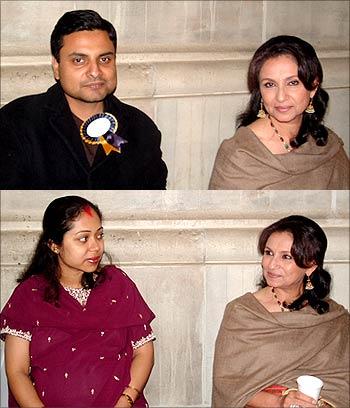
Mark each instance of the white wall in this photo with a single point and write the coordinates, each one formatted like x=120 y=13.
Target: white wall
x=190 y=253
x=184 y=63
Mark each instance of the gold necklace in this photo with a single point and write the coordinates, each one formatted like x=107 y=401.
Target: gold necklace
x=286 y=145
x=280 y=304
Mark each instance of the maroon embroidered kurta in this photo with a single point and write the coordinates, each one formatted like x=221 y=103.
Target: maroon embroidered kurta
x=80 y=355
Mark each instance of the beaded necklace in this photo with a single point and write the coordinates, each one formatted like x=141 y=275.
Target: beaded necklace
x=280 y=304
x=286 y=145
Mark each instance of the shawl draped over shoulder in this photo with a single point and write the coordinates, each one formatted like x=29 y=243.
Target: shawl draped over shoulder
x=80 y=355
x=255 y=349
x=243 y=162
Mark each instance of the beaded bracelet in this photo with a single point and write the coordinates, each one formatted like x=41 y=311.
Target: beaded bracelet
x=129 y=399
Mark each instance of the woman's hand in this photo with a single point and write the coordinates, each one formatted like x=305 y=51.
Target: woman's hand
x=122 y=403
x=296 y=399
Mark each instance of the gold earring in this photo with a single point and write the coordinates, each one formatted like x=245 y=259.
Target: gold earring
x=310 y=108
x=309 y=285
x=56 y=251
x=261 y=114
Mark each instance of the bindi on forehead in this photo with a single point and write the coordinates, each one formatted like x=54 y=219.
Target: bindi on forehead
x=88 y=210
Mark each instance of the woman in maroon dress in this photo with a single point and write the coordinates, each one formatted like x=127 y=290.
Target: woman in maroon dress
x=76 y=333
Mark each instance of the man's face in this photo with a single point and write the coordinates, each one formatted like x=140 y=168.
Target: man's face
x=86 y=70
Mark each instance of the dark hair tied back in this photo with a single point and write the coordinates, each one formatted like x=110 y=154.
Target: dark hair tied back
x=321 y=281
x=308 y=248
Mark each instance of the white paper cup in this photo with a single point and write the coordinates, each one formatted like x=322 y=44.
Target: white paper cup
x=310 y=385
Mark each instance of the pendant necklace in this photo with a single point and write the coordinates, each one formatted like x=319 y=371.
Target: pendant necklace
x=286 y=145
x=280 y=304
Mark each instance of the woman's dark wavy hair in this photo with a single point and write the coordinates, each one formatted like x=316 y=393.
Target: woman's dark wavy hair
x=58 y=219
x=309 y=72
x=309 y=247
x=79 y=20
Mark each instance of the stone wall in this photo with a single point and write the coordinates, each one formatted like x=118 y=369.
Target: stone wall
x=184 y=63
x=190 y=253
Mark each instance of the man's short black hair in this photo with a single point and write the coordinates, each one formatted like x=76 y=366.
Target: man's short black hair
x=79 y=20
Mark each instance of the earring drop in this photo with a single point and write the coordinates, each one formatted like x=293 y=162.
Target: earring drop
x=310 y=108
x=261 y=114
x=309 y=285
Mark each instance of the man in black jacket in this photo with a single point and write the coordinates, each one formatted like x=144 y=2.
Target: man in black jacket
x=41 y=144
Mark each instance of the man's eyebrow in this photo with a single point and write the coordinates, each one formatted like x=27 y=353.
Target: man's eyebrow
x=81 y=54
x=78 y=54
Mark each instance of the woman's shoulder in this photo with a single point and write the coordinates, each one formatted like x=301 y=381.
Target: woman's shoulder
x=332 y=134
x=246 y=299
x=27 y=292
x=243 y=132
x=243 y=138
x=240 y=311
x=113 y=271
x=116 y=275
x=336 y=307
x=33 y=283
x=334 y=140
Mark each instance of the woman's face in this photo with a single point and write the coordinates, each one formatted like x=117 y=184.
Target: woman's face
x=284 y=95
x=82 y=246
x=279 y=267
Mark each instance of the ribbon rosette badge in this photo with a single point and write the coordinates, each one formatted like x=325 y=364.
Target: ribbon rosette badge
x=100 y=129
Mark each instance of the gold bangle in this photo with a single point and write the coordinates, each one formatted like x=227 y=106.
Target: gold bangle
x=286 y=392
x=128 y=398
x=135 y=389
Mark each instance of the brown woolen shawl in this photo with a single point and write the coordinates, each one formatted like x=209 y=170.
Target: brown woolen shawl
x=256 y=348
x=243 y=162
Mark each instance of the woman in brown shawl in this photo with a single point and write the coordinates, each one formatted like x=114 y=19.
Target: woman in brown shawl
x=288 y=328
x=281 y=142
